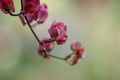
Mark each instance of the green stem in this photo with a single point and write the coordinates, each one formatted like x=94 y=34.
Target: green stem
x=57 y=57
x=64 y=59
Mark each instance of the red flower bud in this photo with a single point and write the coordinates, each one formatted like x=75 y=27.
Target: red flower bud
x=45 y=48
x=78 y=53
x=61 y=39
x=7 y=4
x=31 y=6
x=39 y=16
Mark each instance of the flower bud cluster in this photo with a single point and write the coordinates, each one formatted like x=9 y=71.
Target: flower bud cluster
x=34 y=13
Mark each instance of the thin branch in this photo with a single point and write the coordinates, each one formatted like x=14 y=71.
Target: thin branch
x=31 y=29
x=18 y=14
x=57 y=57
x=21 y=5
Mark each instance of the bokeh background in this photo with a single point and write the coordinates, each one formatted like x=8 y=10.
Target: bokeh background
x=93 y=22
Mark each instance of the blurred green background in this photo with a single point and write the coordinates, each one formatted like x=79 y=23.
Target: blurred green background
x=93 y=22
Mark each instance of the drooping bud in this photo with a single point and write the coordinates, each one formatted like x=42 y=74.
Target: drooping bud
x=7 y=5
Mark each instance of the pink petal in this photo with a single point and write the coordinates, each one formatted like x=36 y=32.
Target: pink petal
x=75 y=45
x=34 y=25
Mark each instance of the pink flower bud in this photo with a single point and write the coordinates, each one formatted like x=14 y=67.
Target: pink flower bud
x=58 y=31
x=45 y=48
x=75 y=45
x=42 y=13
x=37 y=16
x=43 y=54
x=78 y=52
